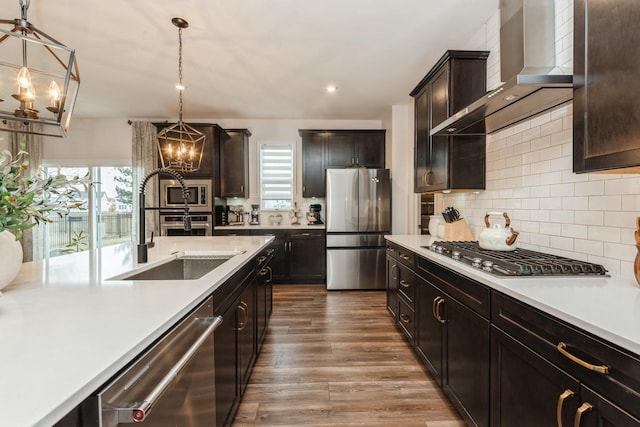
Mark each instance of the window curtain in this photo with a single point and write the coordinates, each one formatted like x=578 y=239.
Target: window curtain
x=33 y=238
x=144 y=160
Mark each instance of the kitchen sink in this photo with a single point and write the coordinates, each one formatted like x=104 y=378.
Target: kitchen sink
x=185 y=267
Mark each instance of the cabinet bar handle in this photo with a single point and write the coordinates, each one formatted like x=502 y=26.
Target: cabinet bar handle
x=305 y=234
x=262 y=259
x=270 y=251
x=390 y=249
x=405 y=257
x=243 y=306
x=585 y=407
x=433 y=307
x=438 y=305
x=242 y=188
x=405 y=284
x=601 y=369
x=564 y=396
x=405 y=319
x=394 y=267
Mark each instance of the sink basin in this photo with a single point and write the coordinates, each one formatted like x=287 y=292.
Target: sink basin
x=182 y=268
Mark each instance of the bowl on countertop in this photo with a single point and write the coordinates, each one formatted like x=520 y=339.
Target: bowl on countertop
x=275 y=219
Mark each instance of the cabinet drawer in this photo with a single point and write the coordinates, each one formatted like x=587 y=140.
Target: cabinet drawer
x=407 y=284
x=307 y=234
x=392 y=250
x=406 y=257
x=472 y=294
x=223 y=232
x=543 y=334
x=406 y=319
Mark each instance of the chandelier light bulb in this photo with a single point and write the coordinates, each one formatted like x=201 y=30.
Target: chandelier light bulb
x=54 y=92
x=30 y=95
x=24 y=78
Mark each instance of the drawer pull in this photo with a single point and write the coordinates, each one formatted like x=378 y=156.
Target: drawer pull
x=585 y=407
x=433 y=307
x=564 y=396
x=438 y=315
x=601 y=369
x=405 y=284
x=405 y=319
x=391 y=249
x=270 y=251
x=262 y=259
x=405 y=257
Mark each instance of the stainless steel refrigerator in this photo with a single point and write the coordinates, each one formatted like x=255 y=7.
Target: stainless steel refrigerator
x=358 y=216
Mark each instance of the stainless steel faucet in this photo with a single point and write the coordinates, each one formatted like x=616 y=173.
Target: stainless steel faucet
x=143 y=245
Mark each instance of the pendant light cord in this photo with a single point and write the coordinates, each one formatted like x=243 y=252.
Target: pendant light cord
x=181 y=89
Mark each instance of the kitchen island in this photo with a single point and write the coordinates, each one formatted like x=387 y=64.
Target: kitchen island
x=66 y=328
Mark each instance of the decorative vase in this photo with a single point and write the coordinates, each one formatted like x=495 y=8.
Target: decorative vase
x=11 y=254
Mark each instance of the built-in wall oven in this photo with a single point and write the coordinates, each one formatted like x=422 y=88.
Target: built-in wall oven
x=173 y=383
x=172 y=224
x=200 y=195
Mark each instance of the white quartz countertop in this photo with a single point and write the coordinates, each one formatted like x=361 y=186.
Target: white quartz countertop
x=604 y=306
x=65 y=328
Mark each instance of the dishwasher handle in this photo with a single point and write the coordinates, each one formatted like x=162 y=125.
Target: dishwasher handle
x=140 y=412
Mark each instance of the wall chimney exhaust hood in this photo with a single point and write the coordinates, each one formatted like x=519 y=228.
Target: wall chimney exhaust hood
x=527 y=63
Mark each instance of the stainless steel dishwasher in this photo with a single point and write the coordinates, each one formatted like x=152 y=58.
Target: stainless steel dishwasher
x=172 y=383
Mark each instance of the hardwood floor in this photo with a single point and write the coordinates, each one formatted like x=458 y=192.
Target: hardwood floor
x=336 y=359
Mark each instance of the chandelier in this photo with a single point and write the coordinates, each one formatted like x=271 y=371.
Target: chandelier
x=180 y=146
x=39 y=79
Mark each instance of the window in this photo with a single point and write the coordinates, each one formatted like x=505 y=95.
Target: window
x=106 y=217
x=276 y=176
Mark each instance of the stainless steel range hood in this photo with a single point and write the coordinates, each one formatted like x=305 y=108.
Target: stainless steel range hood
x=527 y=64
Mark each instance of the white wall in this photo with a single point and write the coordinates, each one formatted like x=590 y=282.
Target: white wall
x=404 y=201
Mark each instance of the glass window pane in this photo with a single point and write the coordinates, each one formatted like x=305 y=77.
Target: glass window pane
x=276 y=176
x=114 y=201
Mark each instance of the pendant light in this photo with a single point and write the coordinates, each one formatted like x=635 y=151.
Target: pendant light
x=180 y=146
x=39 y=79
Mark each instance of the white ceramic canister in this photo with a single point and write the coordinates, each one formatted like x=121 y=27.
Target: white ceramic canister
x=434 y=221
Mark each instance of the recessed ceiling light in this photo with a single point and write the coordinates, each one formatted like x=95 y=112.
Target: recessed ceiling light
x=332 y=88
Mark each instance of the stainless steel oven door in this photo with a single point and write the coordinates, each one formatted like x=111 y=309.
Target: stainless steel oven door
x=172 y=225
x=173 y=384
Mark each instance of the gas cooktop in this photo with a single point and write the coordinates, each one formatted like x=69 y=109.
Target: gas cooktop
x=520 y=262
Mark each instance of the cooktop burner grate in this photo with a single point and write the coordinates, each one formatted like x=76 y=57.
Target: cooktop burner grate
x=520 y=262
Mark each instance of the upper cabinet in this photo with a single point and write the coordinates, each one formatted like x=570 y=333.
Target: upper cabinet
x=449 y=162
x=606 y=113
x=210 y=164
x=322 y=149
x=234 y=164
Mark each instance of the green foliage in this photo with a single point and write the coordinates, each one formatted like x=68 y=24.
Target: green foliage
x=27 y=201
x=78 y=242
x=124 y=194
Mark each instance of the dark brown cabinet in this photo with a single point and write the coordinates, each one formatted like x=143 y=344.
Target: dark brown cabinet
x=459 y=317
x=392 y=284
x=448 y=162
x=234 y=164
x=306 y=256
x=246 y=334
x=606 y=117
x=313 y=164
x=323 y=149
x=299 y=255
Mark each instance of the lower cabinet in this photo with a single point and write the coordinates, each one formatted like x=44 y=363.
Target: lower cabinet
x=503 y=363
x=244 y=303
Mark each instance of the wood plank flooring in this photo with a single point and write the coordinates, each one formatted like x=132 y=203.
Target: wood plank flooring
x=336 y=359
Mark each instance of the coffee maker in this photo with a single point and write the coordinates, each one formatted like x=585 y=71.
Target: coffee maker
x=236 y=215
x=313 y=216
x=255 y=215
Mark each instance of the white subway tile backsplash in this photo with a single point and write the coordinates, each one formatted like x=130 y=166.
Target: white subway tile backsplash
x=562 y=243
x=529 y=175
x=605 y=203
x=589 y=217
x=590 y=188
x=575 y=231
x=575 y=203
x=604 y=234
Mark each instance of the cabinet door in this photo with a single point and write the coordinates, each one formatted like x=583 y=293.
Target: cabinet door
x=392 y=286
x=280 y=247
x=313 y=165
x=246 y=329
x=429 y=336
x=422 y=147
x=527 y=390
x=606 y=118
x=370 y=149
x=440 y=97
x=225 y=362
x=466 y=363
x=599 y=412
x=341 y=149
x=234 y=164
x=307 y=254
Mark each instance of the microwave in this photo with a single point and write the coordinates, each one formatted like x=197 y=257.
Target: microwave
x=199 y=200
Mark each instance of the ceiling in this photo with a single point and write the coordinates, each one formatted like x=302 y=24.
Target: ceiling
x=254 y=58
